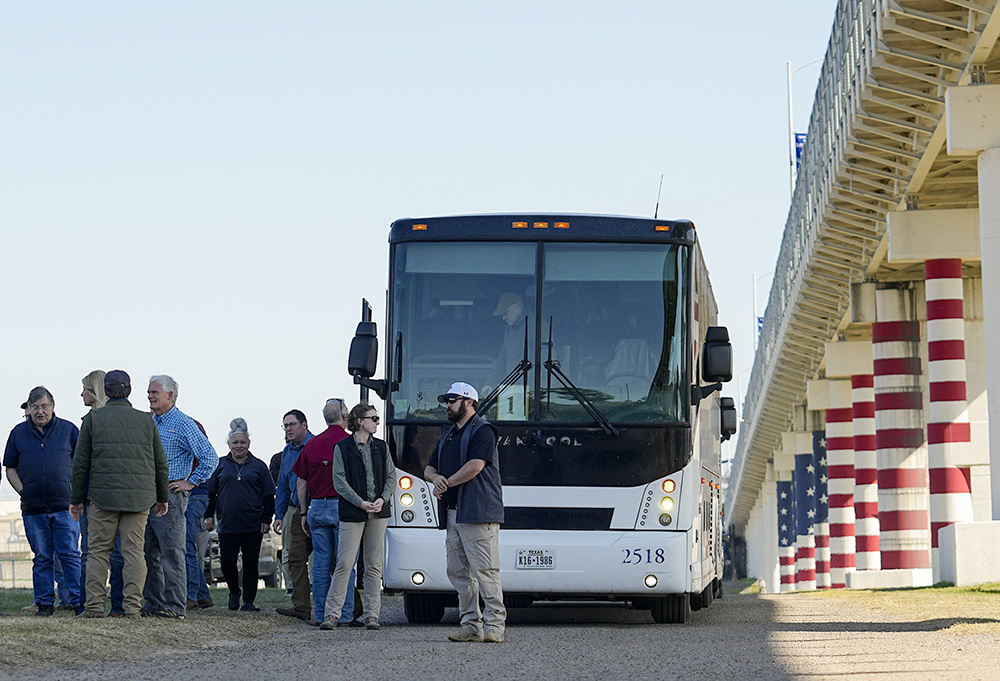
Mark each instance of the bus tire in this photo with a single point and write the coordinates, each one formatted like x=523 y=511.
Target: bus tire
x=672 y=609
x=707 y=596
x=697 y=601
x=718 y=588
x=423 y=608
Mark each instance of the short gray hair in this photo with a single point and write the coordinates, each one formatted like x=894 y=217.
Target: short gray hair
x=38 y=393
x=166 y=382
x=335 y=411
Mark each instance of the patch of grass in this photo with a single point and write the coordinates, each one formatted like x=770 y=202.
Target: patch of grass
x=62 y=640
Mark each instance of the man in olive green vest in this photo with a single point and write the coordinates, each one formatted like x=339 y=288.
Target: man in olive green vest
x=120 y=456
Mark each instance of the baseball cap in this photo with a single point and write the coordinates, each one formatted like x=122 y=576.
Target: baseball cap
x=505 y=301
x=459 y=390
x=24 y=405
x=117 y=379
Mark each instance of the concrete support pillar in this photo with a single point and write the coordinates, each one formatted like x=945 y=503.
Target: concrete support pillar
x=800 y=444
x=840 y=481
x=821 y=524
x=784 y=467
x=948 y=430
x=973 y=127
x=866 y=524
x=904 y=538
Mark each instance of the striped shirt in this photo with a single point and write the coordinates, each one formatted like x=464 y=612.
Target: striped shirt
x=184 y=442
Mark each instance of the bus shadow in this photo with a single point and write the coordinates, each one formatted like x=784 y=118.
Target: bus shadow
x=883 y=627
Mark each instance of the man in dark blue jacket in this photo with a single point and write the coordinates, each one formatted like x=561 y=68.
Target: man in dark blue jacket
x=39 y=463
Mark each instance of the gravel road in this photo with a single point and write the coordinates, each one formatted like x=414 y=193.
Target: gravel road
x=739 y=637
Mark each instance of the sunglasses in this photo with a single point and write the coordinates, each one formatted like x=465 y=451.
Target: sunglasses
x=374 y=419
x=453 y=400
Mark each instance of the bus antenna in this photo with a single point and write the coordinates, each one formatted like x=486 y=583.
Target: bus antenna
x=656 y=211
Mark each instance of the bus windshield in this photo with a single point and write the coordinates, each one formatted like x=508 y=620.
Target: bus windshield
x=472 y=311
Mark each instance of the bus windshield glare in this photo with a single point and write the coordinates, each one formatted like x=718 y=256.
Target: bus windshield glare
x=472 y=311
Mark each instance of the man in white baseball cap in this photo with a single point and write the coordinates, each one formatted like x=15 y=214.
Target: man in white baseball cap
x=465 y=472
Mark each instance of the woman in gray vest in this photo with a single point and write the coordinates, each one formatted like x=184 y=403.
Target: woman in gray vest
x=364 y=476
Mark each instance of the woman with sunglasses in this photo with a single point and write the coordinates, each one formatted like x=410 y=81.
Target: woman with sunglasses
x=364 y=477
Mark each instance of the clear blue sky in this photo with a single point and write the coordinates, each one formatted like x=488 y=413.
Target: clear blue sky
x=205 y=189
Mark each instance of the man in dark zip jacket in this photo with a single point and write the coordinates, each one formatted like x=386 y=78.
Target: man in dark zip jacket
x=39 y=463
x=465 y=472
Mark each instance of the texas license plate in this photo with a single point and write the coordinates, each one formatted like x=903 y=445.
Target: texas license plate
x=535 y=559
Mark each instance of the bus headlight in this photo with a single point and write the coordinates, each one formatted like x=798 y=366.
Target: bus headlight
x=669 y=486
x=407 y=516
x=666 y=503
x=650 y=581
x=665 y=519
x=406 y=499
x=417 y=578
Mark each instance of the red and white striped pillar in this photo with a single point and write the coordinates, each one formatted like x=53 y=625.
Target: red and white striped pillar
x=840 y=481
x=948 y=418
x=866 y=527
x=904 y=536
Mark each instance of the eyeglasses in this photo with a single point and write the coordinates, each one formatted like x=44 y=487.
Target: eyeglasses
x=286 y=426
x=453 y=400
x=336 y=399
x=374 y=418
x=40 y=407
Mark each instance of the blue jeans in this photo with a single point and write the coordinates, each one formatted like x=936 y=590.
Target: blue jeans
x=116 y=563
x=165 y=548
x=197 y=587
x=324 y=523
x=50 y=535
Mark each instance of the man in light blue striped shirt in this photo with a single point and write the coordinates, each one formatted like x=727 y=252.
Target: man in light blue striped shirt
x=190 y=461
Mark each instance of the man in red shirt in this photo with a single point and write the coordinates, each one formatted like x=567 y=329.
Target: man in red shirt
x=314 y=469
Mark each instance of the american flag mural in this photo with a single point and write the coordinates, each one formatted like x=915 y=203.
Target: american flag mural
x=786 y=535
x=822 y=522
x=804 y=484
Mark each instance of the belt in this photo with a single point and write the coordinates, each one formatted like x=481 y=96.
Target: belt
x=324 y=498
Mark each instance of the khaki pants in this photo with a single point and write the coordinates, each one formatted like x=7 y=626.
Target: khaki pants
x=102 y=526
x=474 y=571
x=299 y=550
x=351 y=534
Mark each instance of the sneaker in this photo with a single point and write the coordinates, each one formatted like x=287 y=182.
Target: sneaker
x=372 y=624
x=30 y=608
x=466 y=636
x=205 y=602
x=353 y=624
x=329 y=624
x=249 y=607
x=292 y=612
x=493 y=636
x=146 y=612
x=169 y=614
x=45 y=611
x=90 y=614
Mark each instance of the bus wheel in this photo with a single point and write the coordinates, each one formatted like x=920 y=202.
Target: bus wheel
x=707 y=596
x=718 y=588
x=672 y=609
x=423 y=608
x=698 y=601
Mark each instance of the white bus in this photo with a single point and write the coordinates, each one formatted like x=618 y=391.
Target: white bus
x=592 y=341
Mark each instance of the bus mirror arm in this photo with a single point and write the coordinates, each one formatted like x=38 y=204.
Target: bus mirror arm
x=700 y=392
x=381 y=388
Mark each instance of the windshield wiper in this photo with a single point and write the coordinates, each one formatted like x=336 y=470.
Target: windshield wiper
x=519 y=372
x=554 y=369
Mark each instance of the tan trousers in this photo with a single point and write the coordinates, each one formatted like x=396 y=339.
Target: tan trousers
x=474 y=571
x=102 y=526
x=348 y=542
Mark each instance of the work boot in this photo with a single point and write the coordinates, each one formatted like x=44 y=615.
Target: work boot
x=45 y=610
x=205 y=602
x=466 y=636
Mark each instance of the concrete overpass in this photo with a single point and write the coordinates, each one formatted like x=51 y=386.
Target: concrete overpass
x=884 y=301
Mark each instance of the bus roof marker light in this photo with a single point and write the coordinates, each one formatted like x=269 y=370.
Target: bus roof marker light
x=520 y=225
x=663 y=228
x=669 y=486
x=541 y=225
x=419 y=228
x=561 y=225
x=651 y=581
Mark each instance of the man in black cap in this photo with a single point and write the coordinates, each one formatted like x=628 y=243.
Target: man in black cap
x=120 y=450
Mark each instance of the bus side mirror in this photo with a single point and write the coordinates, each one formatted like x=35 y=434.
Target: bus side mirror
x=727 y=413
x=362 y=360
x=717 y=356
